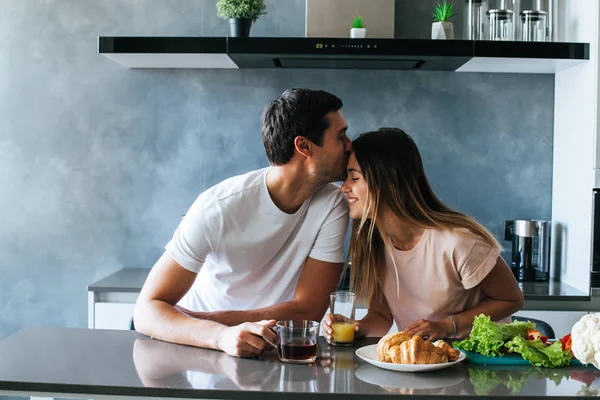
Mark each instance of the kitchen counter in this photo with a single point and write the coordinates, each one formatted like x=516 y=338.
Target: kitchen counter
x=124 y=285
x=126 y=280
x=98 y=363
x=551 y=291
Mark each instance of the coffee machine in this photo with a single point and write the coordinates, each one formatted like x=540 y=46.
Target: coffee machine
x=530 y=257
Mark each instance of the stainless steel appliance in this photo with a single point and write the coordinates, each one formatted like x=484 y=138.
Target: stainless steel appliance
x=530 y=257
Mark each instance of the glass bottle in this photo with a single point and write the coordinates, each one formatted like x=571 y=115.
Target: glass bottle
x=534 y=26
x=475 y=20
x=501 y=25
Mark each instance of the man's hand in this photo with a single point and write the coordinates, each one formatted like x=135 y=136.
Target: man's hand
x=434 y=330
x=247 y=339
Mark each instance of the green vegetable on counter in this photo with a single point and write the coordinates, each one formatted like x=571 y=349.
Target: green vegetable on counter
x=488 y=337
x=538 y=354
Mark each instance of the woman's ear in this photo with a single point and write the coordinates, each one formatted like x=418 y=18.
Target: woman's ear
x=303 y=146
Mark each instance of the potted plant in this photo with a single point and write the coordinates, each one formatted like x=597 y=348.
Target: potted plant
x=441 y=28
x=358 y=30
x=241 y=14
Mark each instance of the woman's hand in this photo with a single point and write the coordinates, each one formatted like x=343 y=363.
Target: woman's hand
x=432 y=329
x=328 y=320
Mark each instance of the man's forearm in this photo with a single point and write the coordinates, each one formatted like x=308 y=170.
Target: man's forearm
x=283 y=311
x=162 y=321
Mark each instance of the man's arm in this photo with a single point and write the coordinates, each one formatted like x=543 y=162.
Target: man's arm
x=156 y=315
x=311 y=298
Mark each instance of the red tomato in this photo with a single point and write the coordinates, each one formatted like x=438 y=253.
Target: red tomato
x=566 y=342
x=533 y=334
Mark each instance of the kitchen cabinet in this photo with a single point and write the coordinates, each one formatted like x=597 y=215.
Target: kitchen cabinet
x=575 y=150
x=111 y=300
x=113 y=315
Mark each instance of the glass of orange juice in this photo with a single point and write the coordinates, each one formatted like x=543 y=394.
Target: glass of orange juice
x=342 y=307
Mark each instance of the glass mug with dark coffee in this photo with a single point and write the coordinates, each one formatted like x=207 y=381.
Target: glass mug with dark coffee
x=297 y=341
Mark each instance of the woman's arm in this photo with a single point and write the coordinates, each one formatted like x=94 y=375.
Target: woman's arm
x=504 y=298
x=378 y=320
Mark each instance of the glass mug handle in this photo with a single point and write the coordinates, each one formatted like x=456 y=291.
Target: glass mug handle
x=275 y=331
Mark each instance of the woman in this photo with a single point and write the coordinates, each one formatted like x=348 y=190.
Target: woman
x=414 y=260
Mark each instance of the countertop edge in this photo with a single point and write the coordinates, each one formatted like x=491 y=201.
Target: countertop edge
x=113 y=289
x=58 y=389
x=560 y=298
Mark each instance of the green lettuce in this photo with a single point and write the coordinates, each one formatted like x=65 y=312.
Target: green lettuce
x=488 y=337
x=538 y=354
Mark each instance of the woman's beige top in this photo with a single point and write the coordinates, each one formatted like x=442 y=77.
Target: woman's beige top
x=437 y=277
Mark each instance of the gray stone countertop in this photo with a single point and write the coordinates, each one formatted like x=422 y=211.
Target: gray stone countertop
x=128 y=280
x=132 y=280
x=96 y=363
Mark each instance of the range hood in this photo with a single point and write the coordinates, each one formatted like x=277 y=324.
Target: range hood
x=349 y=53
x=335 y=53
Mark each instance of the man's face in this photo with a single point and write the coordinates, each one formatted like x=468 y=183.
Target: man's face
x=331 y=159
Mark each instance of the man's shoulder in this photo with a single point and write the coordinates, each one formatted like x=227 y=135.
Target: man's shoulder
x=234 y=185
x=331 y=194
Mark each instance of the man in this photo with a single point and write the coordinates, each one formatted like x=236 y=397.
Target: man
x=266 y=245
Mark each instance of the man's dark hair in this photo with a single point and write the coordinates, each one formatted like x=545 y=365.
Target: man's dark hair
x=297 y=112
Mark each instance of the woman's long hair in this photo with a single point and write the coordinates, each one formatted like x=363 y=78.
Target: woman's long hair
x=391 y=165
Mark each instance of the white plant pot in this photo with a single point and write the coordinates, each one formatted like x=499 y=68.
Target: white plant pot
x=358 y=33
x=442 y=30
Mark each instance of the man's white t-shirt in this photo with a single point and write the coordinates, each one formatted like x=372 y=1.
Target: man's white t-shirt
x=247 y=252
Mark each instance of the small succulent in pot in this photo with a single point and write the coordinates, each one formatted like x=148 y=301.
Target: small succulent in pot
x=358 y=30
x=241 y=14
x=441 y=28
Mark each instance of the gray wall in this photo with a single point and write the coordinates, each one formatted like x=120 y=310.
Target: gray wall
x=98 y=163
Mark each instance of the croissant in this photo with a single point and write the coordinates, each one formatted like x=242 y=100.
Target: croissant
x=417 y=351
x=401 y=348
x=387 y=342
x=450 y=351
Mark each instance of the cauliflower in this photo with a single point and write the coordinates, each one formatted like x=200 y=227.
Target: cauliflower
x=585 y=337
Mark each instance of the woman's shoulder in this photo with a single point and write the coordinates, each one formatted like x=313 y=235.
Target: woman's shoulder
x=455 y=238
x=464 y=247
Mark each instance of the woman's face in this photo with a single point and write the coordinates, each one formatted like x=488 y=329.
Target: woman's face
x=355 y=187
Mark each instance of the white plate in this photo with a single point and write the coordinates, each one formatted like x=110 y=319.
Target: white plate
x=369 y=354
x=390 y=379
